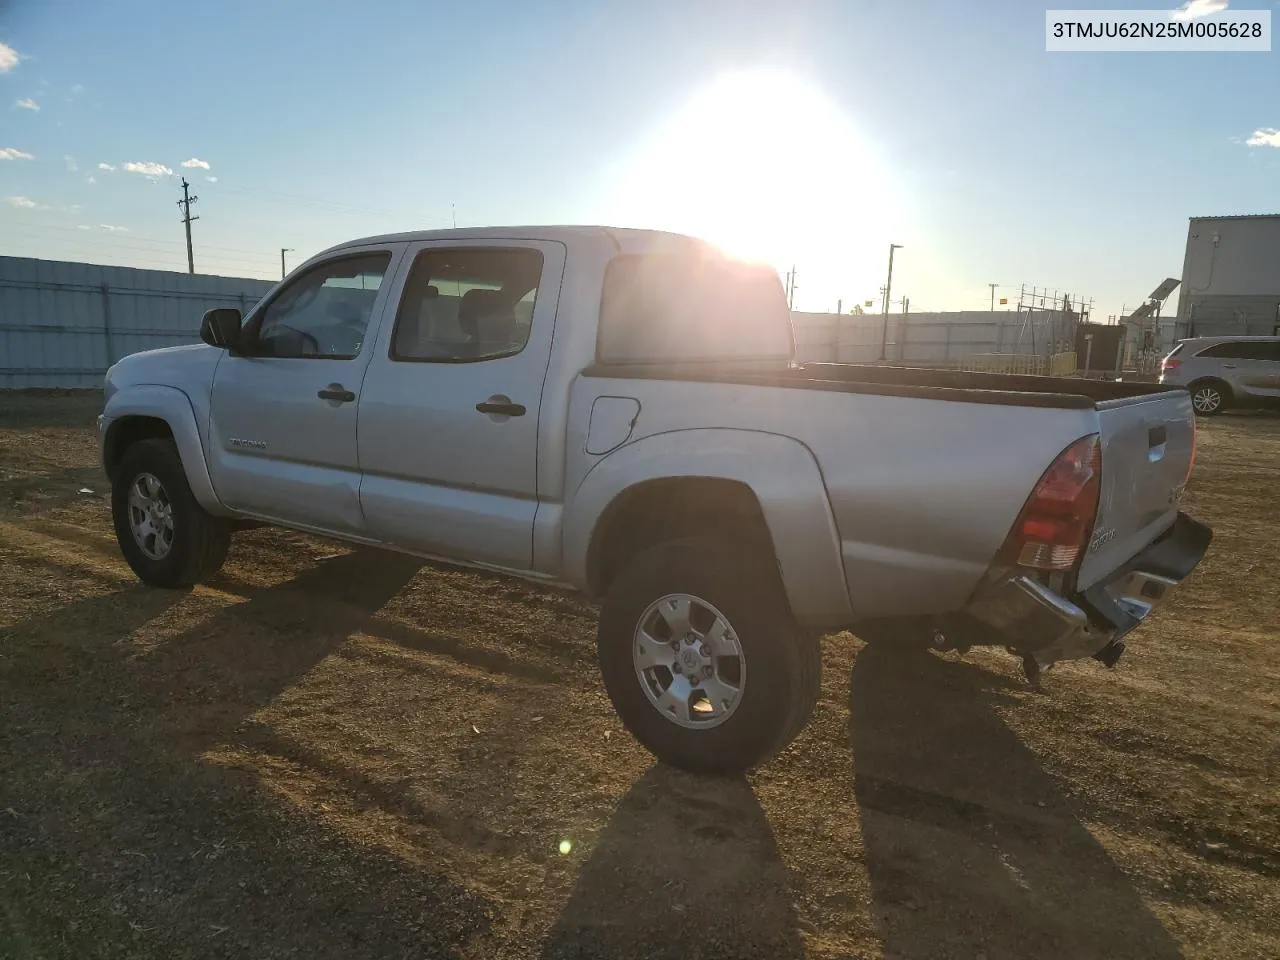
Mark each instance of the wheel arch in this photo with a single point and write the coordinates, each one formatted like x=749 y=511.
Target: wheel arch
x=153 y=411
x=767 y=487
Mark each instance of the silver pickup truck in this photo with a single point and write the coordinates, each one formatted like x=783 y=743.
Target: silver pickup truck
x=619 y=412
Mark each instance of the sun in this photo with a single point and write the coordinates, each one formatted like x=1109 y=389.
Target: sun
x=769 y=168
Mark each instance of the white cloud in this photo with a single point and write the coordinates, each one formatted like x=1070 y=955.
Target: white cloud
x=24 y=203
x=110 y=229
x=71 y=162
x=91 y=179
x=1265 y=137
x=212 y=179
x=196 y=162
x=78 y=88
x=83 y=226
x=1194 y=9
x=27 y=104
x=106 y=166
x=9 y=58
x=13 y=153
x=149 y=168
x=74 y=208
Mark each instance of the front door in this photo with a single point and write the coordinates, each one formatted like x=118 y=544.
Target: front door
x=448 y=437
x=283 y=408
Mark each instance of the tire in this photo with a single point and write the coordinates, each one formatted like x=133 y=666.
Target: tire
x=1202 y=394
x=781 y=665
x=197 y=541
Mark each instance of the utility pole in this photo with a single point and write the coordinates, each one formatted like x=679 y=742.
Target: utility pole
x=888 y=284
x=791 y=287
x=185 y=205
x=283 y=251
x=993 y=295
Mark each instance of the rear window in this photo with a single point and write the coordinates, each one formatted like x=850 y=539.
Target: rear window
x=693 y=307
x=1243 y=350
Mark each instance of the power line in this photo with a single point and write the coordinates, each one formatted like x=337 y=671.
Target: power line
x=137 y=238
x=185 y=204
x=114 y=254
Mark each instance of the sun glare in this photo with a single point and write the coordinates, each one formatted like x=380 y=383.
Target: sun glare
x=768 y=168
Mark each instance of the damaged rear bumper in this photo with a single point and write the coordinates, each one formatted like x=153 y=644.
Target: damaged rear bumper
x=1045 y=626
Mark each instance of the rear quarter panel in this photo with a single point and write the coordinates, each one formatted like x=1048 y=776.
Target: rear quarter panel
x=922 y=492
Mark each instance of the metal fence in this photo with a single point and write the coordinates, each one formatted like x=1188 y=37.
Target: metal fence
x=62 y=324
x=929 y=339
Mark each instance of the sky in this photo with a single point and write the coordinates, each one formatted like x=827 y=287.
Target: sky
x=811 y=133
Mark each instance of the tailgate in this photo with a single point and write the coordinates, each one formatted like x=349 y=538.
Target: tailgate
x=1147 y=446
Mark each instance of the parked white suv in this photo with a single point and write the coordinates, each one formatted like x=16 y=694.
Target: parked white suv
x=1225 y=372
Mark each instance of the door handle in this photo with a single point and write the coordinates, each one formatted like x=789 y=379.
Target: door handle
x=501 y=406
x=336 y=391
x=1228 y=366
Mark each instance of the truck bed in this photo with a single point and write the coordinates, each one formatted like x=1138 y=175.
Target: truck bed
x=923 y=382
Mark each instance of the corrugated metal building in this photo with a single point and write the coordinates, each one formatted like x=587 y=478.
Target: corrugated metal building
x=1231 y=277
x=62 y=324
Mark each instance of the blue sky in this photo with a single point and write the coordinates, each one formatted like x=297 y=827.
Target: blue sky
x=822 y=130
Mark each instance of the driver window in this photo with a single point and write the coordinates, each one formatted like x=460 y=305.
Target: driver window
x=325 y=312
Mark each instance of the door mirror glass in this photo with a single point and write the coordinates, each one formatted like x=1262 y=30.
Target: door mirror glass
x=220 y=327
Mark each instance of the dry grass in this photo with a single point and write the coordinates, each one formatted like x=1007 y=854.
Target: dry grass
x=329 y=753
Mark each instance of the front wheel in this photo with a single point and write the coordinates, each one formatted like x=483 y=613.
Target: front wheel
x=165 y=535
x=702 y=660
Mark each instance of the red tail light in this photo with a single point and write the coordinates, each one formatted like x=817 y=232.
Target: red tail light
x=1053 y=529
x=1169 y=363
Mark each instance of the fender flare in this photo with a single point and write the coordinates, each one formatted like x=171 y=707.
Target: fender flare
x=782 y=473
x=172 y=406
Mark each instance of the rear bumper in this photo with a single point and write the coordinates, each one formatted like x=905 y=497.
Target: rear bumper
x=1026 y=615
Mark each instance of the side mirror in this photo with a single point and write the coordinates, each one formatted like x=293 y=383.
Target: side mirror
x=220 y=327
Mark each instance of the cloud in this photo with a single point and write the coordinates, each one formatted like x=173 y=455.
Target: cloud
x=83 y=226
x=106 y=166
x=1265 y=137
x=149 y=168
x=212 y=179
x=112 y=229
x=1194 y=9
x=9 y=58
x=27 y=104
x=196 y=162
x=71 y=162
x=91 y=179
x=13 y=153
x=78 y=88
x=23 y=203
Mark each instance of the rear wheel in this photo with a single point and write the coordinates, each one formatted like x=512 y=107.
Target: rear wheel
x=702 y=660
x=165 y=535
x=1209 y=397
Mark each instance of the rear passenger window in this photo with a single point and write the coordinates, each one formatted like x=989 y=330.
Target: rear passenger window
x=1243 y=350
x=467 y=304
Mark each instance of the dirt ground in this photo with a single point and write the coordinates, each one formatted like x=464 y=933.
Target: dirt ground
x=336 y=753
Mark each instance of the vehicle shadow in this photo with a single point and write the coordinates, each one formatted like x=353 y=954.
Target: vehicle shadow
x=971 y=847
x=686 y=867
x=115 y=838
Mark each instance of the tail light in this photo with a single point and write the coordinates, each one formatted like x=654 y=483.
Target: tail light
x=1053 y=529
x=1169 y=363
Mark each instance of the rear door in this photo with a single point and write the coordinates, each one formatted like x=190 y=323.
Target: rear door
x=448 y=438
x=1248 y=366
x=1147 y=448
